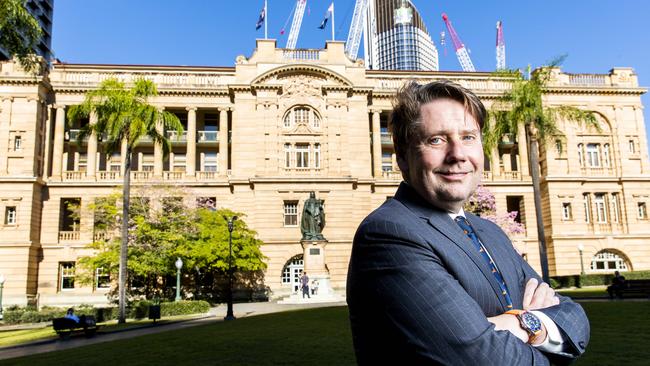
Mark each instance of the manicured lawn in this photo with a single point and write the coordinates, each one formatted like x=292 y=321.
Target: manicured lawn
x=322 y=337
x=592 y=291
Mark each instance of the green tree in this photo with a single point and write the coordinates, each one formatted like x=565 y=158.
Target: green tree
x=19 y=32
x=124 y=116
x=522 y=107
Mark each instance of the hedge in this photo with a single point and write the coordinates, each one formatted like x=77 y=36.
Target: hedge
x=594 y=279
x=137 y=310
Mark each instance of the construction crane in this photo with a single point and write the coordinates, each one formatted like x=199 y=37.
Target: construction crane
x=295 y=25
x=461 y=51
x=356 y=29
x=501 y=48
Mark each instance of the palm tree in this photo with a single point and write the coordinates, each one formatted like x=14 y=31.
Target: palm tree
x=522 y=107
x=124 y=116
x=19 y=33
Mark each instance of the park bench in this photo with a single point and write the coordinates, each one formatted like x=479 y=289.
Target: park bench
x=64 y=326
x=637 y=287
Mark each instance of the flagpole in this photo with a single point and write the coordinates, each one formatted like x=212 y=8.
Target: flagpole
x=332 y=20
x=266 y=21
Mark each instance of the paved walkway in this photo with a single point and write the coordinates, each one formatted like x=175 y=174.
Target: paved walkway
x=214 y=315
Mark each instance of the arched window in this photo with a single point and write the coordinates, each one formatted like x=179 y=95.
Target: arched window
x=301 y=115
x=608 y=261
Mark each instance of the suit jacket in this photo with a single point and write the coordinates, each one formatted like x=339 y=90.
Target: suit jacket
x=420 y=293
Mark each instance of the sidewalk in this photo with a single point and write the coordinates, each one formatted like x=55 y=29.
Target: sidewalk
x=215 y=315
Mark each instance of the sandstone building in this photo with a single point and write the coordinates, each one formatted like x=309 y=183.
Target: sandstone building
x=281 y=123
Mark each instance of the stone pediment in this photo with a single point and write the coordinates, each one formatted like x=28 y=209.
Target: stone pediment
x=317 y=76
x=302 y=129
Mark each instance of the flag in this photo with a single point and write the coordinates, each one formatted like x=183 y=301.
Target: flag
x=330 y=10
x=260 y=21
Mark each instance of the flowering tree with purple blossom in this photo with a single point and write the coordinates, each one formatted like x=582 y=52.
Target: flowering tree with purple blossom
x=483 y=203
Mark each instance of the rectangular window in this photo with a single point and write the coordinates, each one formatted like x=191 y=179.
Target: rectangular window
x=83 y=162
x=302 y=156
x=301 y=115
x=287 y=155
x=102 y=279
x=587 y=206
x=631 y=146
x=290 y=213
x=642 y=211
x=317 y=156
x=210 y=162
x=593 y=157
x=615 y=208
x=147 y=163
x=179 y=163
x=10 y=215
x=601 y=208
x=558 y=147
x=66 y=272
x=581 y=158
x=18 y=143
x=606 y=155
x=566 y=211
x=115 y=162
x=70 y=219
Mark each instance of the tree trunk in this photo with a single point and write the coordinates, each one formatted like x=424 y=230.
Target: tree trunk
x=126 y=190
x=534 y=172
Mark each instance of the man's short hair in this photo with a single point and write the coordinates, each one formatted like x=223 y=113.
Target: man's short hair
x=405 y=118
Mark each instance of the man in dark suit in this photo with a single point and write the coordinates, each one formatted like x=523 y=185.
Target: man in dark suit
x=431 y=284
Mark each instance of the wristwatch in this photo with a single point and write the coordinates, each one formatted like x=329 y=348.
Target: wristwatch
x=529 y=322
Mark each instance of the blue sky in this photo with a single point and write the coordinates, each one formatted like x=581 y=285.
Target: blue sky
x=596 y=35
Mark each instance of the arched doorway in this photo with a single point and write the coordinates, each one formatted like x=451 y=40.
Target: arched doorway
x=291 y=272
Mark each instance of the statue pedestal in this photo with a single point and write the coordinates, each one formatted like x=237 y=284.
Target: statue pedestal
x=314 y=266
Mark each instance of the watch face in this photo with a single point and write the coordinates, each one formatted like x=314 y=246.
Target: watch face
x=531 y=321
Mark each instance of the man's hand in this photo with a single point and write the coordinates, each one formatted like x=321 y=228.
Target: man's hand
x=536 y=296
x=539 y=296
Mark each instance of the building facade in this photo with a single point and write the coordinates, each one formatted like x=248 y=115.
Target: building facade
x=41 y=10
x=261 y=135
x=396 y=38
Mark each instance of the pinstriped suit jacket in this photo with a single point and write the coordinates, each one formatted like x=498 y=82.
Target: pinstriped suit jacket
x=419 y=292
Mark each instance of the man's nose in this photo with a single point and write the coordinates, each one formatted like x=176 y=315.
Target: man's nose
x=456 y=151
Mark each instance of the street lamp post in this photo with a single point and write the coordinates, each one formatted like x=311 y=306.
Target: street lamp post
x=2 y=283
x=179 y=265
x=231 y=225
x=582 y=264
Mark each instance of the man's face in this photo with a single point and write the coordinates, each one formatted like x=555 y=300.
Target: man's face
x=445 y=162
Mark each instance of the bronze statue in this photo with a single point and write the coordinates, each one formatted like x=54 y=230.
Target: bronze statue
x=313 y=219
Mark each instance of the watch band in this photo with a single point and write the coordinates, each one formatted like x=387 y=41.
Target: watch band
x=532 y=333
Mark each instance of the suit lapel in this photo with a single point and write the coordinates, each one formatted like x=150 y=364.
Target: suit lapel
x=445 y=225
x=441 y=221
x=500 y=254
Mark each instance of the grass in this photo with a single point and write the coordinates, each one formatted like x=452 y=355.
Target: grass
x=591 y=291
x=322 y=337
x=16 y=337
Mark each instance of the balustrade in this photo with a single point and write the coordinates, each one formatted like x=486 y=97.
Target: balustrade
x=69 y=235
x=208 y=136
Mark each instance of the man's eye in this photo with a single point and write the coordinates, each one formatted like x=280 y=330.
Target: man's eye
x=469 y=137
x=436 y=141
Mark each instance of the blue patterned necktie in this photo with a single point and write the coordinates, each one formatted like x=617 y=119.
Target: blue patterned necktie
x=467 y=229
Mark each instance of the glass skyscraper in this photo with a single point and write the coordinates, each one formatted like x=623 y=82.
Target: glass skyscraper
x=397 y=39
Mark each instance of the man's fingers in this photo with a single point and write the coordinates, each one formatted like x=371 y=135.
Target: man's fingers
x=529 y=291
x=543 y=297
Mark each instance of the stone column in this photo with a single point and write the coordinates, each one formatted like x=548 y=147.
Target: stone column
x=376 y=144
x=158 y=153
x=48 y=133
x=5 y=122
x=495 y=167
x=59 y=132
x=190 y=155
x=223 y=141
x=91 y=152
x=522 y=145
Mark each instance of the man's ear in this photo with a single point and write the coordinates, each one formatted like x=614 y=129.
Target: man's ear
x=403 y=165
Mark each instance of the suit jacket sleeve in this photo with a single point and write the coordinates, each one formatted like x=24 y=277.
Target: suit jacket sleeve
x=404 y=301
